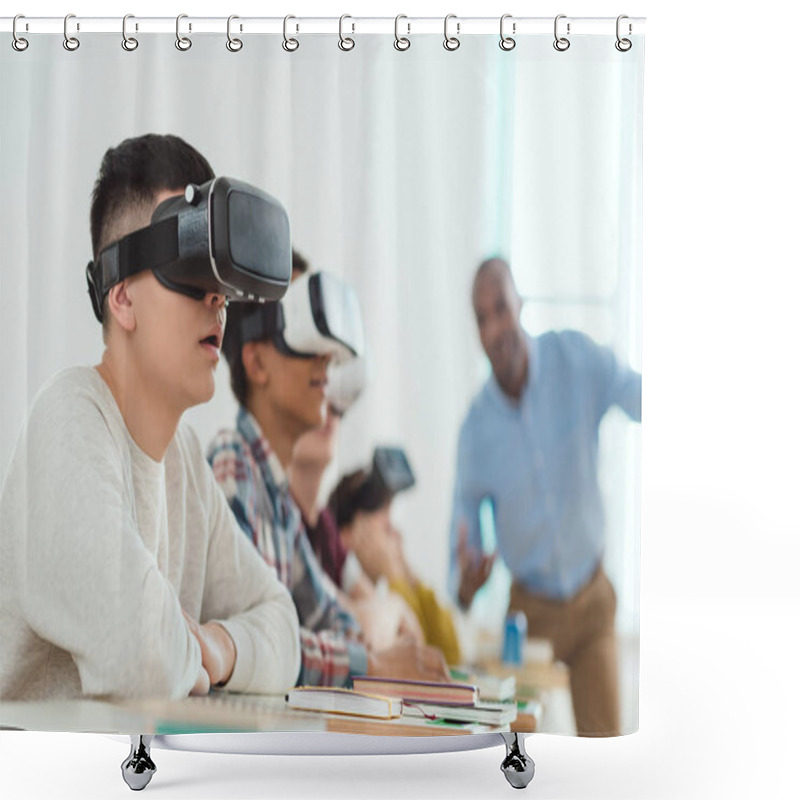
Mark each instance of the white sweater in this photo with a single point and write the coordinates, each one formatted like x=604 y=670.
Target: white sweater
x=100 y=549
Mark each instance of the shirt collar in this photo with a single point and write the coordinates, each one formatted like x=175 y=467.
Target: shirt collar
x=267 y=459
x=531 y=380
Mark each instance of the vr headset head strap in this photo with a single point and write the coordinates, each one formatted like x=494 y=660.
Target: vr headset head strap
x=269 y=322
x=148 y=248
x=265 y=322
x=317 y=309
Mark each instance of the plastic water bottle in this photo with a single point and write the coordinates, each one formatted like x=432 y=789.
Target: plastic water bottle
x=515 y=635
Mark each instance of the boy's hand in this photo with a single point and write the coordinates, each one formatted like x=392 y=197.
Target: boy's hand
x=374 y=551
x=409 y=660
x=217 y=649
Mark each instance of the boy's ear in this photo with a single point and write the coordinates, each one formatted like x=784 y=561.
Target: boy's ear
x=120 y=306
x=255 y=362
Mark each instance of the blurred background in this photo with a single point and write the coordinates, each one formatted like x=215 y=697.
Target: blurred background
x=401 y=172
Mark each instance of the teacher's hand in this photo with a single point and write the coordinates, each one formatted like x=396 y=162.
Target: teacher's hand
x=475 y=567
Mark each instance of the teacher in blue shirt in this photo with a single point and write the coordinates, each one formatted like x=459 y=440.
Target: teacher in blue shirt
x=529 y=443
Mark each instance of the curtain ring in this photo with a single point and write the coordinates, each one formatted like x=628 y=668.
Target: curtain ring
x=233 y=44
x=401 y=42
x=346 y=42
x=18 y=43
x=183 y=43
x=128 y=42
x=451 y=42
x=623 y=45
x=70 y=42
x=289 y=44
x=561 y=43
x=506 y=42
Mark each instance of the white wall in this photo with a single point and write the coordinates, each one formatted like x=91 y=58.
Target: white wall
x=400 y=172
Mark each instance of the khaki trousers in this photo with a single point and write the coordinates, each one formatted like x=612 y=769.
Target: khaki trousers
x=581 y=630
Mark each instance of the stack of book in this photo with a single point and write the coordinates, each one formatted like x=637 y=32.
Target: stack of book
x=494 y=688
x=333 y=700
x=384 y=698
x=452 y=702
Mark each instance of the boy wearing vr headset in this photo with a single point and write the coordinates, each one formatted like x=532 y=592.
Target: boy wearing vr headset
x=123 y=571
x=382 y=616
x=361 y=504
x=278 y=356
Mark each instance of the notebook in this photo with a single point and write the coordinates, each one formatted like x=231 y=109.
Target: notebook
x=344 y=701
x=460 y=694
x=491 y=688
x=483 y=713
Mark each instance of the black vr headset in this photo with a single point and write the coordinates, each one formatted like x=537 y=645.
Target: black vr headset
x=224 y=236
x=319 y=315
x=391 y=473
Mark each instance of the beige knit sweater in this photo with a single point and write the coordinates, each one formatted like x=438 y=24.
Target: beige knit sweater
x=100 y=549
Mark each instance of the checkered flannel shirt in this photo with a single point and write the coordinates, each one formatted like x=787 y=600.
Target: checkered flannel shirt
x=258 y=493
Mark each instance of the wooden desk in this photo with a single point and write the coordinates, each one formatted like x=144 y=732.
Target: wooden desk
x=220 y=712
x=532 y=676
x=535 y=681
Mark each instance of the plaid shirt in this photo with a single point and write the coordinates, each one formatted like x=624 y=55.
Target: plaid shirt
x=258 y=492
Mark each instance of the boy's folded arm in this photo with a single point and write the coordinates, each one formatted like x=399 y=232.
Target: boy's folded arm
x=245 y=596
x=88 y=583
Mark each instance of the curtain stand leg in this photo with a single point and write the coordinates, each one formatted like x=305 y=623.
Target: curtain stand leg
x=138 y=768
x=517 y=766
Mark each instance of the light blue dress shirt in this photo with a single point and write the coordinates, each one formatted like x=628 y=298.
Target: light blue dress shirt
x=536 y=459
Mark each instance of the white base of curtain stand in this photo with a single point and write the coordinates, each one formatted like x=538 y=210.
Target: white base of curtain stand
x=138 y=768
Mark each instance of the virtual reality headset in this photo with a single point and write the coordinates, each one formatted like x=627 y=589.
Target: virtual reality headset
x=224 y=236
x=346 y=382
x=391 y=473
x=319 y=315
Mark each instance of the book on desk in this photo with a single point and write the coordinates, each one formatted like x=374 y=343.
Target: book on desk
x=418 y=691
x=402 y=703
x=333 y=700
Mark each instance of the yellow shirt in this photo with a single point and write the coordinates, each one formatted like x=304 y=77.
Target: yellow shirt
x=435 y=620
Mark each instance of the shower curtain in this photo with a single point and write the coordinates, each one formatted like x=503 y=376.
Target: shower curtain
x=402 y=170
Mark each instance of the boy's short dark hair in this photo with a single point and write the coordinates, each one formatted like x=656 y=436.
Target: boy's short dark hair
x=232 y=340
x=134 y=172
x=131 y=175
x=343 y=499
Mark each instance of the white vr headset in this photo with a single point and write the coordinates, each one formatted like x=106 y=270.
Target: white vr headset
x=319 y=315
x=346 y=382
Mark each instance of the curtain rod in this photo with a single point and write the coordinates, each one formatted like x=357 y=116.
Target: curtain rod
x=406 y=26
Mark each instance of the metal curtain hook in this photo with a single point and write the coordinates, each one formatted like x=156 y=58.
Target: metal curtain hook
x=346 y=42
x=401 y=42
x=289 y=44
x=70 y=42
x=451 y=42
x=182 y=42
x=128 y=42
x=18 y=42
x=233 y=44
x=561 y=43
x=623 y=45
x=506 y=42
